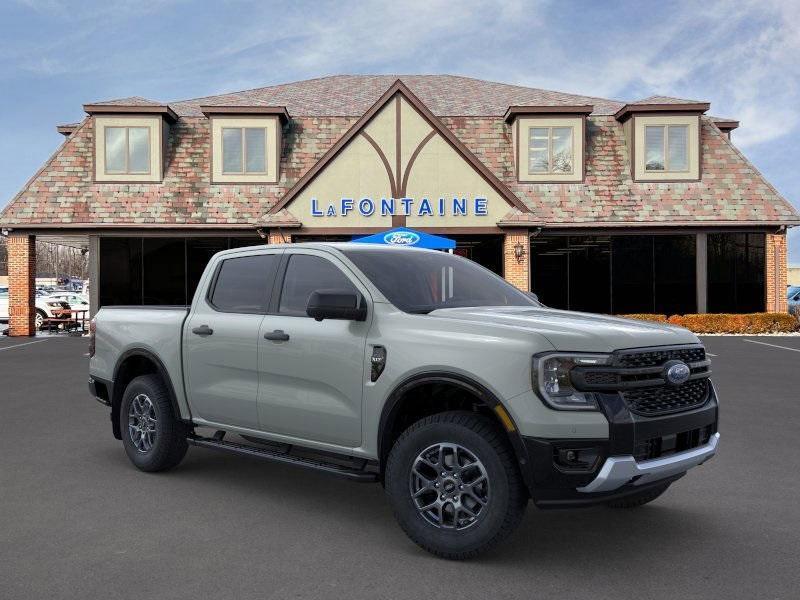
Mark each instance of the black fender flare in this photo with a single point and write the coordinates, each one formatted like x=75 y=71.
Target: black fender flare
x=489 y=399
x=116 y=394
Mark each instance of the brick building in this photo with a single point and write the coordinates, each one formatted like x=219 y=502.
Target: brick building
x=595 y=204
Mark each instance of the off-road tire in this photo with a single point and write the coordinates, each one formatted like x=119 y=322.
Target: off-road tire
x=639 y=499
x=489 y=444
x=169 y=446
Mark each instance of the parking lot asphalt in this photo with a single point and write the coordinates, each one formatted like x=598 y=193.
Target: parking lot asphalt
x=77 y=520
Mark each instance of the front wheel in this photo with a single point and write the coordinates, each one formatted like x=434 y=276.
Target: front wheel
x=153 y=436
x=454 y=484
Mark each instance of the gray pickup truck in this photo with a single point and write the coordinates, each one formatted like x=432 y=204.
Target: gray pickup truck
x=418 y=369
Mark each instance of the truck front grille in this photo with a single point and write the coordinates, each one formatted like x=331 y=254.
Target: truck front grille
x=638 y=375
x=661 y=400
x=656 y=358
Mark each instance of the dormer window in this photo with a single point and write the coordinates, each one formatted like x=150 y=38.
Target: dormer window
x=550 y=150
x=127 y=150
x=548 y=142
x=666 y=148
x=245 y=143
x=129 y=140
x=244 y=150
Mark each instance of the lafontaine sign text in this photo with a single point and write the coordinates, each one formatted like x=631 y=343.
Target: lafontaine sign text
x=422 y=207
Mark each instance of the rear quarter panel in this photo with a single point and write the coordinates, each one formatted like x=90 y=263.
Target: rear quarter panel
x=157 y=331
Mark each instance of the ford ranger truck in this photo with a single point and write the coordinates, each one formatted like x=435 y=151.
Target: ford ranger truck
x=464 y=397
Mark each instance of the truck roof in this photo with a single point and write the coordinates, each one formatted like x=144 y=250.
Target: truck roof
x=341 y=246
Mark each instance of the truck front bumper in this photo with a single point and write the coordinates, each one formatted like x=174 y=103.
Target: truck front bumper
x=639 y=453
x=618 y=471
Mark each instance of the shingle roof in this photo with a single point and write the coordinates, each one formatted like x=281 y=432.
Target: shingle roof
x=731 y=190
x=352 y=95
x=665 y=100
x=130 y=101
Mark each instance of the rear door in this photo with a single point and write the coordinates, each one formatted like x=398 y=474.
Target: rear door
x=221 y=339
x=312 y=380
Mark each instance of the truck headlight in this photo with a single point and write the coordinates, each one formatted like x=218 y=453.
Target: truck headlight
x=552 y=382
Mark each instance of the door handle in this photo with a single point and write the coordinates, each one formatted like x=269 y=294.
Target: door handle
x=202 y=330
x=276 y=336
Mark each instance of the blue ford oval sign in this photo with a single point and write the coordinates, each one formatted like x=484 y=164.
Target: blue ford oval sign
x=401 y=238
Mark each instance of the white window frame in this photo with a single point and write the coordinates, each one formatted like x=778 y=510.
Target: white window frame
x=550 y=170
x=665 y=148
x=244 y=171
x=127 y=129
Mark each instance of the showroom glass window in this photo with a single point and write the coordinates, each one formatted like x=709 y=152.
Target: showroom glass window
x=244 y=150
x=616 y=274
x=550 y=150
x=156 y=270
x=127 y=150
x=666 y=148
x=736 y=264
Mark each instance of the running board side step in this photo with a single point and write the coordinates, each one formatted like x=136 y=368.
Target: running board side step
x=331 y=468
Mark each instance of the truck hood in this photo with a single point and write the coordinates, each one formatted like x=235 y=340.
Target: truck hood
x=575 y=331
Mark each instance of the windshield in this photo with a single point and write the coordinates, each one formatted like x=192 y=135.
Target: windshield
x=419 y=282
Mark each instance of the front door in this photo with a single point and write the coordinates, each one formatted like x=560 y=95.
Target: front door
x=312 y=372
x=221 y=340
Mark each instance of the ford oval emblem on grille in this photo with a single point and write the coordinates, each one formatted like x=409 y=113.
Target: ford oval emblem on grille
x=676 y=372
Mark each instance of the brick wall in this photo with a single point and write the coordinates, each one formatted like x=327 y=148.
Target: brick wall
x=517 y=272
x=279 y=237
x=776 y=273
x=21 y=284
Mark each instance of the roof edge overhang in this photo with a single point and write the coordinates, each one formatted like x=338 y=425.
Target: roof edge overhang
x=131 y=109
x=726 y=124
x=279 y=111
x=67 y=130
x=577 y=109
x=690 y=108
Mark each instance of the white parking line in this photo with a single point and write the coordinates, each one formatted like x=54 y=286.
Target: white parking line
x=773 y=345
x=20 y=345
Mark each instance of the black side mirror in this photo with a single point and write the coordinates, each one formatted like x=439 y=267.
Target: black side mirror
x=336 y=304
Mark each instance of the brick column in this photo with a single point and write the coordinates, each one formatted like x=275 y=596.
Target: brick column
x=517 y=272
x=775 y=272
x=278 y=237
x=21 y=284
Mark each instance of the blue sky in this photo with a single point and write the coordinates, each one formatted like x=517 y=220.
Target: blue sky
x=56 y=55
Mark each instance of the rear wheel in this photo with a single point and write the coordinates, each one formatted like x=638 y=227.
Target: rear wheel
x=39 y=319
x=640 y=499
x=153 y=436
x=454 y=484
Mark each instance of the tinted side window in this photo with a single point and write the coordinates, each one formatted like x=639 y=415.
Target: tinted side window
x=243 y=284
x=305 y=274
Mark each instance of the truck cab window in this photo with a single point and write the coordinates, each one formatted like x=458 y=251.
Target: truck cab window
x=306 y=273
x=243 y=284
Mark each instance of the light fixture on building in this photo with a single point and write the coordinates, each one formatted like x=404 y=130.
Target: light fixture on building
x=519 y=251
x=4 y=232
x=261 y=233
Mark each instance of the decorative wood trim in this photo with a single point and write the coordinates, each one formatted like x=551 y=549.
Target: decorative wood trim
x=384 y=160
x=399 y=87
x=411 y=160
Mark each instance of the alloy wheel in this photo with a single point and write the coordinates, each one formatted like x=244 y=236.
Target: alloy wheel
x=142 y=423
x=449 y=486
